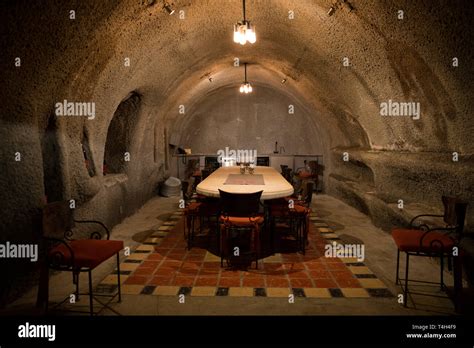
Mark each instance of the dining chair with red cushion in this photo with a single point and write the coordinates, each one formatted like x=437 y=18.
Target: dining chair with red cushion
x=293 y=215
x=429 y=241
x=240 y=212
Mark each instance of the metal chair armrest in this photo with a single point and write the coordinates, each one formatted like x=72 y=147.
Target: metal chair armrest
x=449 y=230
x=437 y=241
x=423 y=215
x=58 y=257
x=95 y=234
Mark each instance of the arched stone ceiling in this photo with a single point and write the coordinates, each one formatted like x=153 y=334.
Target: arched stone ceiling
x=390 y=59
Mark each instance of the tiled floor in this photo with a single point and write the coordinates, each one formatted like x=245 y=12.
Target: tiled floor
x=163 y=266
x=346 y=222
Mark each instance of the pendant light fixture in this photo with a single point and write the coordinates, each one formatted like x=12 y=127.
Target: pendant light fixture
x=244 y=31
x=245 y=87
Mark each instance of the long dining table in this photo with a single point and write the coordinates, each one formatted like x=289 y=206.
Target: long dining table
x=265 y=179
x=229 y=179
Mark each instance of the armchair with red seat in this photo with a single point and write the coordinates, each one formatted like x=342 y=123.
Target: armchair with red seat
x=63 y=253
x=431 y=241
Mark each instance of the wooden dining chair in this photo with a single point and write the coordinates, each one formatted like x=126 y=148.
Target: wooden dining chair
x=306 y=197
x=301 y=211
x=240 y=212
x=192 y=213
x=287 y=174
x=316 y=170
x=185 y=191
x=295 y=214
x=205 y=173
x=202 y=218
x=420 y=239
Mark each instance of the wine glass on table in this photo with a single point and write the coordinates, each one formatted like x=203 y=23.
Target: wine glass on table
x=251 y=167
x=242 y=168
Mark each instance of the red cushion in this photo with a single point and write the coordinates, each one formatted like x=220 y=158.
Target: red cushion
x=88 y=252
x=295 y=200
x=192 y=207
x=209 y=207
x=299 y=209
x=242 y=221
x=409 y=240
x=284 y=210
x=279 y=209
x=305 y=175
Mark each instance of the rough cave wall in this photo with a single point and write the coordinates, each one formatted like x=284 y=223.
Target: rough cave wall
x=56 y=65
x=417 y=165
x=254 y=121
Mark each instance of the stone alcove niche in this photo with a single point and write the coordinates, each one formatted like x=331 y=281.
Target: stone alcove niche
x=119 y=138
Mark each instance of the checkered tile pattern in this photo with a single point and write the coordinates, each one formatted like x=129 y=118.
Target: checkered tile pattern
x=162 y=266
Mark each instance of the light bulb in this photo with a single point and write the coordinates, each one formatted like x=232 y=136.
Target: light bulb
x=242 y=39
x=238 y=37
x=247 y=35
x=251 y=36
x=250 y=88
x=168 y=9
x=244 y=32
x=241 y=89
x=236 y=34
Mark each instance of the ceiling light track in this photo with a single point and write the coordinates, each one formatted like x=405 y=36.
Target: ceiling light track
x=168 y=8
x=340 y=4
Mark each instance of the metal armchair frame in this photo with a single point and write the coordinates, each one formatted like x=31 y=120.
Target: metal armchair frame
x=432 y=252
x=436 y=246
x=58 y=261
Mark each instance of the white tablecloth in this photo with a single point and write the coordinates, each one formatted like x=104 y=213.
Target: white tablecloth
x=275 y=185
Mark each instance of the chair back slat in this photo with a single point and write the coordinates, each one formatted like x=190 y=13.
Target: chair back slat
x=314 y=167
x=184 y=190
x=240 y=204
x=454 y=212
x=286 y=173
x=205 y=173
x=461 y=208
x=449 y=210
x=309 y=193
